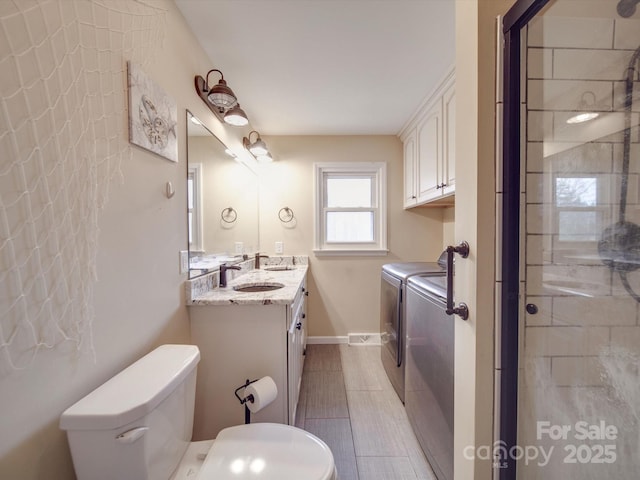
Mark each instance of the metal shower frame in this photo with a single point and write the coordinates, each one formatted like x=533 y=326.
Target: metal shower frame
x=515 y=19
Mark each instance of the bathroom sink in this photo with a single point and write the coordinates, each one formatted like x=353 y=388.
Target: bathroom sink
x=278 y=268
x=257 y=287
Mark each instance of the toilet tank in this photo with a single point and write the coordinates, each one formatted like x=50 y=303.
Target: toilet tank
x=137 y=425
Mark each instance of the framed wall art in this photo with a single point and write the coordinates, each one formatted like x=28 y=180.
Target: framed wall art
x=152 y=115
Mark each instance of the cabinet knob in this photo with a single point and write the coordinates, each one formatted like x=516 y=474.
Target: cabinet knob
x=304 y=315
x=299 y=325
x=306 y=294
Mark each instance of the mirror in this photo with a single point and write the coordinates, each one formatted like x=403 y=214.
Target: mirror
x=222 y=206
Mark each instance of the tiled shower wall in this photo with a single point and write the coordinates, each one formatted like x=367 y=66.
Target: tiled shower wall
x=581 y=347
x=583 y=306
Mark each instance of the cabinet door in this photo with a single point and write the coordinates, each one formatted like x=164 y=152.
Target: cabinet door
x=295 y=352
x=292 y=374
x=449 y=140
x=430 y=154
x=305 y=331
x=300 y=333
x=410 y=181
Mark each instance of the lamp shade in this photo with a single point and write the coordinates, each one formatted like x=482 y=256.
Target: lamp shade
x=221 y=95
x=264 y=158
x=258 y=147
x=236 y=117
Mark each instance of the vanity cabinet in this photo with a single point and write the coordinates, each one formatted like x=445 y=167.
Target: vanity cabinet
x=296 y=349
x=429 y=150
x=247 y=341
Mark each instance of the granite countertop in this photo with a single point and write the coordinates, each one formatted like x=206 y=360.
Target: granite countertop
x=291 y=279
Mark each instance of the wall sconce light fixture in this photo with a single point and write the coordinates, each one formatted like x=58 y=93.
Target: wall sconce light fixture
x=236 y=117
x=586 y=107
x=257 y=148
x=221 y=99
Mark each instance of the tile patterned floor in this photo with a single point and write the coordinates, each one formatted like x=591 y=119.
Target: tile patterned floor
x=347 y=400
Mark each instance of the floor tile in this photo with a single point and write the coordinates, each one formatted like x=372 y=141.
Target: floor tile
x=328 y=399
x=336 y=432
x=414 y=451
x=385 y=468
x=324 y=358
x=374 y=424
x=363 y=368
x=347 y=400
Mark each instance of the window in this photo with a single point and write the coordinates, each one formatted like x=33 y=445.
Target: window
x=576 y=200
x=351 y=208
x=194 y=206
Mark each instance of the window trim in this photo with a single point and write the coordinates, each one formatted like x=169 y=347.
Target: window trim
x=197 y=238
x=378 y=172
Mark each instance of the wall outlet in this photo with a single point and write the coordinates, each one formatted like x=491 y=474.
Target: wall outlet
x=184 y=261
x=279 y=247
x=239 y=247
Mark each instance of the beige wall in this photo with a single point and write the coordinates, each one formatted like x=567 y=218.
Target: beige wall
x=475 y=186
x=138 y=296
x=344 y=291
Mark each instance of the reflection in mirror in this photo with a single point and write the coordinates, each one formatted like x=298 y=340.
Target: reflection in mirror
x=222 y=205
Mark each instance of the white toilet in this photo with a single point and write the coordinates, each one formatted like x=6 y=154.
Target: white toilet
x=137 y=426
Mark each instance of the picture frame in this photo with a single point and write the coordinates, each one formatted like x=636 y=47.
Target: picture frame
x=152 y=115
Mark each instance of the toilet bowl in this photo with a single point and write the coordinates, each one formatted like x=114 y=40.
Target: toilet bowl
x=138 y=426
x=268 y=451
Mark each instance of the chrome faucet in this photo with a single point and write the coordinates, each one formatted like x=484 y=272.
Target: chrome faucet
x=223 y=273
x=258 y=256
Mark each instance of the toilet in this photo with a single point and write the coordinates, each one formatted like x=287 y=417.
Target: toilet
x=138 y=425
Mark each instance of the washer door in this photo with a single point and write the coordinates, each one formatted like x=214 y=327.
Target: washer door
x=390 y=325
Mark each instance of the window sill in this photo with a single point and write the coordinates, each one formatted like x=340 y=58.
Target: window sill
x=350 y=252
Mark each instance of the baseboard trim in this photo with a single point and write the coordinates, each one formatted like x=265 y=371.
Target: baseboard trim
x=353 y=339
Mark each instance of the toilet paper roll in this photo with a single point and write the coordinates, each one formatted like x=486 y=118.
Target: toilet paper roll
x=264 y=392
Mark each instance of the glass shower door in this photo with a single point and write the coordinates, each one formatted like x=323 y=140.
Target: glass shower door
x=579 y=327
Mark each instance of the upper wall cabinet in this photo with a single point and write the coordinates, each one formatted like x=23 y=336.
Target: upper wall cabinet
x=429 y=150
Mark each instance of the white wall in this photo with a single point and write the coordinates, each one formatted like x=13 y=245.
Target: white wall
x=475 y=223
x=137 y=297
x=344 y=291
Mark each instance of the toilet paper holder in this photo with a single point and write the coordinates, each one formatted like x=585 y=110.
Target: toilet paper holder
x=258 y=396
x=248 y=398
x=243 y=401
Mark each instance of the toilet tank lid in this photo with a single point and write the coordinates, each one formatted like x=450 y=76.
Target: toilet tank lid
x=134 y=392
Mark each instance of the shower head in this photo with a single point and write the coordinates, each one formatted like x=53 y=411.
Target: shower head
x=627 y=8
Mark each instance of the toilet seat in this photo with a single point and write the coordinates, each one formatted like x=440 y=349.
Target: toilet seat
x=267 y=451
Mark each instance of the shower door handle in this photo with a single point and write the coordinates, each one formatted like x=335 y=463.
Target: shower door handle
x=462 y=310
